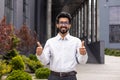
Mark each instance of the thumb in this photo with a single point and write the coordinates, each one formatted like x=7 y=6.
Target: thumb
x=38 y=44
x=83 y=44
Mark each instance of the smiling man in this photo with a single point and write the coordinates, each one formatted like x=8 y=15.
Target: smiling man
x=62 y=52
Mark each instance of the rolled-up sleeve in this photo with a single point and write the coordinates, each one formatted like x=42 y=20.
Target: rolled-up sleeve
x=82 y=59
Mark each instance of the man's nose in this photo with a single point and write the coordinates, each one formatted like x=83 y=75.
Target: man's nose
x=63 y=24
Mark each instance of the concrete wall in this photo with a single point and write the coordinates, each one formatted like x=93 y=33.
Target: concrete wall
x=103 y=9
x=1 y=9
x=97 y=49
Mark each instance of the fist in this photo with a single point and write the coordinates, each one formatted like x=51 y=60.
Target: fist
x=39 y=49
x=82 y=49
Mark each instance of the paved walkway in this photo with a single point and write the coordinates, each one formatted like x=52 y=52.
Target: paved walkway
x=108 y=71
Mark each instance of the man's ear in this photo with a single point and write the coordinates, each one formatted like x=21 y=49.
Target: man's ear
x=57 y=25
x=70 y=25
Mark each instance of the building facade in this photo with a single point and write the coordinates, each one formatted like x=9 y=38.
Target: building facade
x=96 y=21
x=109 y=22
x=34 y=13
x=29 y=12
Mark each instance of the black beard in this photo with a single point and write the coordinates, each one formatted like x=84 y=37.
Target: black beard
x=62 y=31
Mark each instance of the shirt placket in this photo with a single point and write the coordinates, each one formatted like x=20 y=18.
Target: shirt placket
x=62 y=54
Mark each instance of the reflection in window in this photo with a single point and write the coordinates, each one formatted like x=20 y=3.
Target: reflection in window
x=9 y=10
x=114 y=34
x=25 y=8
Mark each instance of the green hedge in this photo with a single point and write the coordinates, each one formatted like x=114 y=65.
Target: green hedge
x=112 y=52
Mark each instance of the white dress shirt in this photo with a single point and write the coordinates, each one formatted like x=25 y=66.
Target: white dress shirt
x=62 y=54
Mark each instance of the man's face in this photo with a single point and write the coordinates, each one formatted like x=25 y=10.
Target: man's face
x=63 y=25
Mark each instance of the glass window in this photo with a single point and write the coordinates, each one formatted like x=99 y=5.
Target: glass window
x=25 y=10
x=9 y=10
x=114 y=24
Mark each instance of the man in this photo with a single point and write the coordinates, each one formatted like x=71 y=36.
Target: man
x=62 y=52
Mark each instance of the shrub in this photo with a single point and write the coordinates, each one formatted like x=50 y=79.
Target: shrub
x=34 y=65
x=8 y=39
x=12 y=53
x=22 y=39
x=31 y=64
x=4 y=68
x=42 y=73
x=17 y=63
x=33 y=57
x=107 y=51
x=112 y=52
x=1 y=56
x=28 y=40
x=117 y=53
x=19 y=75
x=0 y=76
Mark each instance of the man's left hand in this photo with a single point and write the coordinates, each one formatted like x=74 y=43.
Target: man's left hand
x=82 y=49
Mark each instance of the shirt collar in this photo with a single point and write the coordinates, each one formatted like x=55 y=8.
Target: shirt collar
x=67 y=37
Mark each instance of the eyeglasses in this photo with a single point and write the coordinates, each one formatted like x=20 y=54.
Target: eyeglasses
x=64 y=23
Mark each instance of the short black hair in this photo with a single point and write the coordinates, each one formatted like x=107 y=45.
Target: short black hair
x=63 y=15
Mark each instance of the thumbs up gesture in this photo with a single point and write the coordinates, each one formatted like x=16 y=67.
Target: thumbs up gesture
x=39 y=49
x=82 y=49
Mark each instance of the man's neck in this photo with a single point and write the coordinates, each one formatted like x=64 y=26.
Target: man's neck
x=63 y=35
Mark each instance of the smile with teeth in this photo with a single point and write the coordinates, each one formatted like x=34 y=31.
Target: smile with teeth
x=63 y=27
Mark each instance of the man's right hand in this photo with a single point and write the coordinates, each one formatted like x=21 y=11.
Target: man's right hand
x=39 y=49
